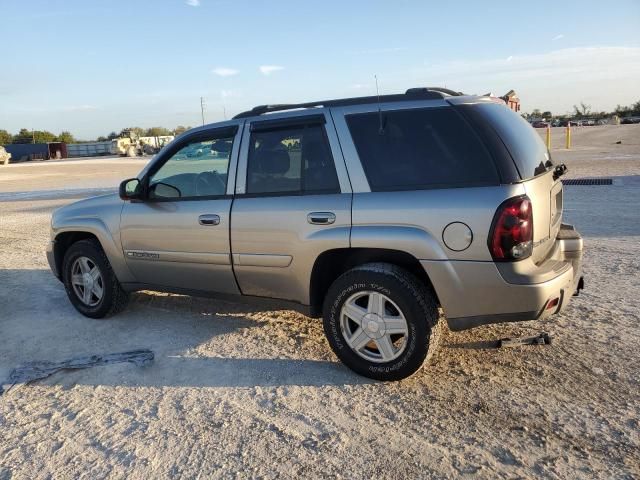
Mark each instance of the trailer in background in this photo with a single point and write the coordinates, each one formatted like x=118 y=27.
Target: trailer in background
x=92 y=149
x=24 y=152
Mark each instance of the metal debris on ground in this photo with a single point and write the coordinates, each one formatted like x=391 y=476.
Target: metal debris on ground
x=31 y=371
x=542 y=338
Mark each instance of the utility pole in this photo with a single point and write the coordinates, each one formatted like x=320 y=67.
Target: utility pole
x=202 y=109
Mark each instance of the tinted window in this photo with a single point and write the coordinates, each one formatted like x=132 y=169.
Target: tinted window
x=198 y=169
x=525 y=145
x=291 y=160
x=420 y=148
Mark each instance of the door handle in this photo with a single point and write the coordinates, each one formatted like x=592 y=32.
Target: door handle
x=209 y=219
x=321 y=218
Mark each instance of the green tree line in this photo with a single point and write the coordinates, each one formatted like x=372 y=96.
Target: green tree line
x=584 y=111
x=44 y=136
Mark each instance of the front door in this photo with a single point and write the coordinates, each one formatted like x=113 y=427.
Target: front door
x=178 y=237
x=293 y=202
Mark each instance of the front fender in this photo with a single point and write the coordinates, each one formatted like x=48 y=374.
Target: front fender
x=95 y=226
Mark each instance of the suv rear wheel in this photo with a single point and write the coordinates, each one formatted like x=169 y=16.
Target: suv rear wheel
x=91 y=285
x=381 y=321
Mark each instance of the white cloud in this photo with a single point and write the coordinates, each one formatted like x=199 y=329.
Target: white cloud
x=230 y=94
x=373 y=51
x=224 y=71
x=269 y=69
x=558 y=37
x=509 y=58
x=193 y=3
x=360 y=86
x=79 y=108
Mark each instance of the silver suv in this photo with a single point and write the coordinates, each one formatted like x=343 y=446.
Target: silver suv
x=379 y=214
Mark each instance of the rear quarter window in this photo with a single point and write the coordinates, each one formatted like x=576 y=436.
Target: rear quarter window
x=526 y=147
x=420 y=149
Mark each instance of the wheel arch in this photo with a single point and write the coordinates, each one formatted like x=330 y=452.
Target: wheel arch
x=329 y=265
x=66 y=236
x=64 y=240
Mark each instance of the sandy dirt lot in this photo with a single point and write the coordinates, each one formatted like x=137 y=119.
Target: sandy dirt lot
x=239 y=389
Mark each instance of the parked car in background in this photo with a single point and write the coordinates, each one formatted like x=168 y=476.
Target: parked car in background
x=540 y=124
x=630 y=120
x=375 y=213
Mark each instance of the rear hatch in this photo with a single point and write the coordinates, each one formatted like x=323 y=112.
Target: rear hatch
x=546 y=203
x=534 y=168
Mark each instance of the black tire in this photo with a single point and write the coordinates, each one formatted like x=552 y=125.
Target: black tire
x=114 y=298
x=414 y=300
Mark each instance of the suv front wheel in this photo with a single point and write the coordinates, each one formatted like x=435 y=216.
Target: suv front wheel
x=90 y=282
x=381 y=321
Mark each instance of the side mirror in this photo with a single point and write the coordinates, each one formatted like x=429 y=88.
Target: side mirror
x=130 y=189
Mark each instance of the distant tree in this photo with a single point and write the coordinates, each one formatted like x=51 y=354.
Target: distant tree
x=157 y=132
x=180 y=129
x=137 y=130
x=547 y=115
x=622 y=111
x=536 y=113
x=635 y=108
x=112 y=136
x=66 y=137
x=583 y=110
x=23 y=136
x=35 y=136
x=101 y=139
x=5 y=137
x=44 y=136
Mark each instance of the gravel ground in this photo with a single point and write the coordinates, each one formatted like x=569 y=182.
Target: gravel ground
x=239 y=389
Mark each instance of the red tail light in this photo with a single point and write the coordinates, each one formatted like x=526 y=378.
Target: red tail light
x=511 y=236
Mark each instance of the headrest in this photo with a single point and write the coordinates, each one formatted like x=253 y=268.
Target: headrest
x=273 y=162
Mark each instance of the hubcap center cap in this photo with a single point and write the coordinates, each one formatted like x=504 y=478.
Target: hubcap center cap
x=373 y=325
x=87 y=279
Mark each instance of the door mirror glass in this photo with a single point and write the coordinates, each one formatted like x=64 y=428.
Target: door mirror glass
x=164 y=190
x=131 y=189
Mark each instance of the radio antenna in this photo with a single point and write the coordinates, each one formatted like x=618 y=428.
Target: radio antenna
x=381 y=128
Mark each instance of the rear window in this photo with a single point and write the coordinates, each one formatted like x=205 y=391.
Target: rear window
x=528 y=150
x=420 y=149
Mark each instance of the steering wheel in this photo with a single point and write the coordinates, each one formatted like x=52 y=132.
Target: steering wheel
x=209 y=183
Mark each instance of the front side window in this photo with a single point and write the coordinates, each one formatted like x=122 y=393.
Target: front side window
x=198 y=169
x=291 y=160
x=420 y=149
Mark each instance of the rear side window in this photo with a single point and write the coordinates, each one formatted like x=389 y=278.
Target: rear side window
x=524 y=144
x=291 y=160
x=420 y=149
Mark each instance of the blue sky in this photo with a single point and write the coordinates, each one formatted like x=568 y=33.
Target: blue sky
x=96 y=66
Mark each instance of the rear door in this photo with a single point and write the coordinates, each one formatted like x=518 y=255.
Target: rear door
x=293 y=202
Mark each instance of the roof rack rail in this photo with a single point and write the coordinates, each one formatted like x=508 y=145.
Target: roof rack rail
x=428 y=93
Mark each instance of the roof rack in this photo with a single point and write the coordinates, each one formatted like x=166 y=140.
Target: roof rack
x=428 y=93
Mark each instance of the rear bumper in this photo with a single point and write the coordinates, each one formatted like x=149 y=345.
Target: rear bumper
x=479 y=293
